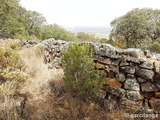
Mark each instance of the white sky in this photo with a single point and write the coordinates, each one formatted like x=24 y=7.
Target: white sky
x=71 y=13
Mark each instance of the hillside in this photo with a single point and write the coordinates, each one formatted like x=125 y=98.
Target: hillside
x=99 y=31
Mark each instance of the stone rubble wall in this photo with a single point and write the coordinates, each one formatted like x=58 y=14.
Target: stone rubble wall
x=132 y=75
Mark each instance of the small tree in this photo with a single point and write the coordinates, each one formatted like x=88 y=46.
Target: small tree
x=79 y=69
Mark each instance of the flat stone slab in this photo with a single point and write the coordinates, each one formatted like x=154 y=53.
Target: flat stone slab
x=114 y=90
x=113 y=82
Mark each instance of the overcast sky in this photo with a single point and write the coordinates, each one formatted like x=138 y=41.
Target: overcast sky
x=69 y=13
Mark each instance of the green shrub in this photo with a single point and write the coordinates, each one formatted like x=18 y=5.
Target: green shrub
x=103 y=40
x=87 y=37
x=79 y=69
x=155 y=47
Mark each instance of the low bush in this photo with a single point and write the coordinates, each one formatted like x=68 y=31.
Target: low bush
x=155 y=47
x=79 y=69
x=103 y=40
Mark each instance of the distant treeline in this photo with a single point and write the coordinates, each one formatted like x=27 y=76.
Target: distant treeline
x=18 y=23
x=138 y=28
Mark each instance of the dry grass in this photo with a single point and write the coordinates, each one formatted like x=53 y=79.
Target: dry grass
x=38 y=72
x=36 y=88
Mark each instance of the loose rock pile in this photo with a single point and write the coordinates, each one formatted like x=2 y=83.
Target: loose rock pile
x=133 y=75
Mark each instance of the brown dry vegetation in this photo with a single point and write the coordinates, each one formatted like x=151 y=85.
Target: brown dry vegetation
x=44 y=96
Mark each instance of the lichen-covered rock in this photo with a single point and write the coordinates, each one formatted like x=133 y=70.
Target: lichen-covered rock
x=144 y=73
x=134 y=60
x=148 y=87
x=147 y=53
x=114 y=69
x=131 y=84
x=121 y=77
x=134 y=95
x=106 y=50
x=141 y=80
x=115 y=62
x=95 y=47
x=147 y=65
x=128 y=69
x=133 y=52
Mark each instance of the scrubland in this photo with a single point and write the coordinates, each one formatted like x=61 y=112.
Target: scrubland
x=31 y=91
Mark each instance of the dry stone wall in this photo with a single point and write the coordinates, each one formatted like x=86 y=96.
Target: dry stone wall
x=132 y=75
